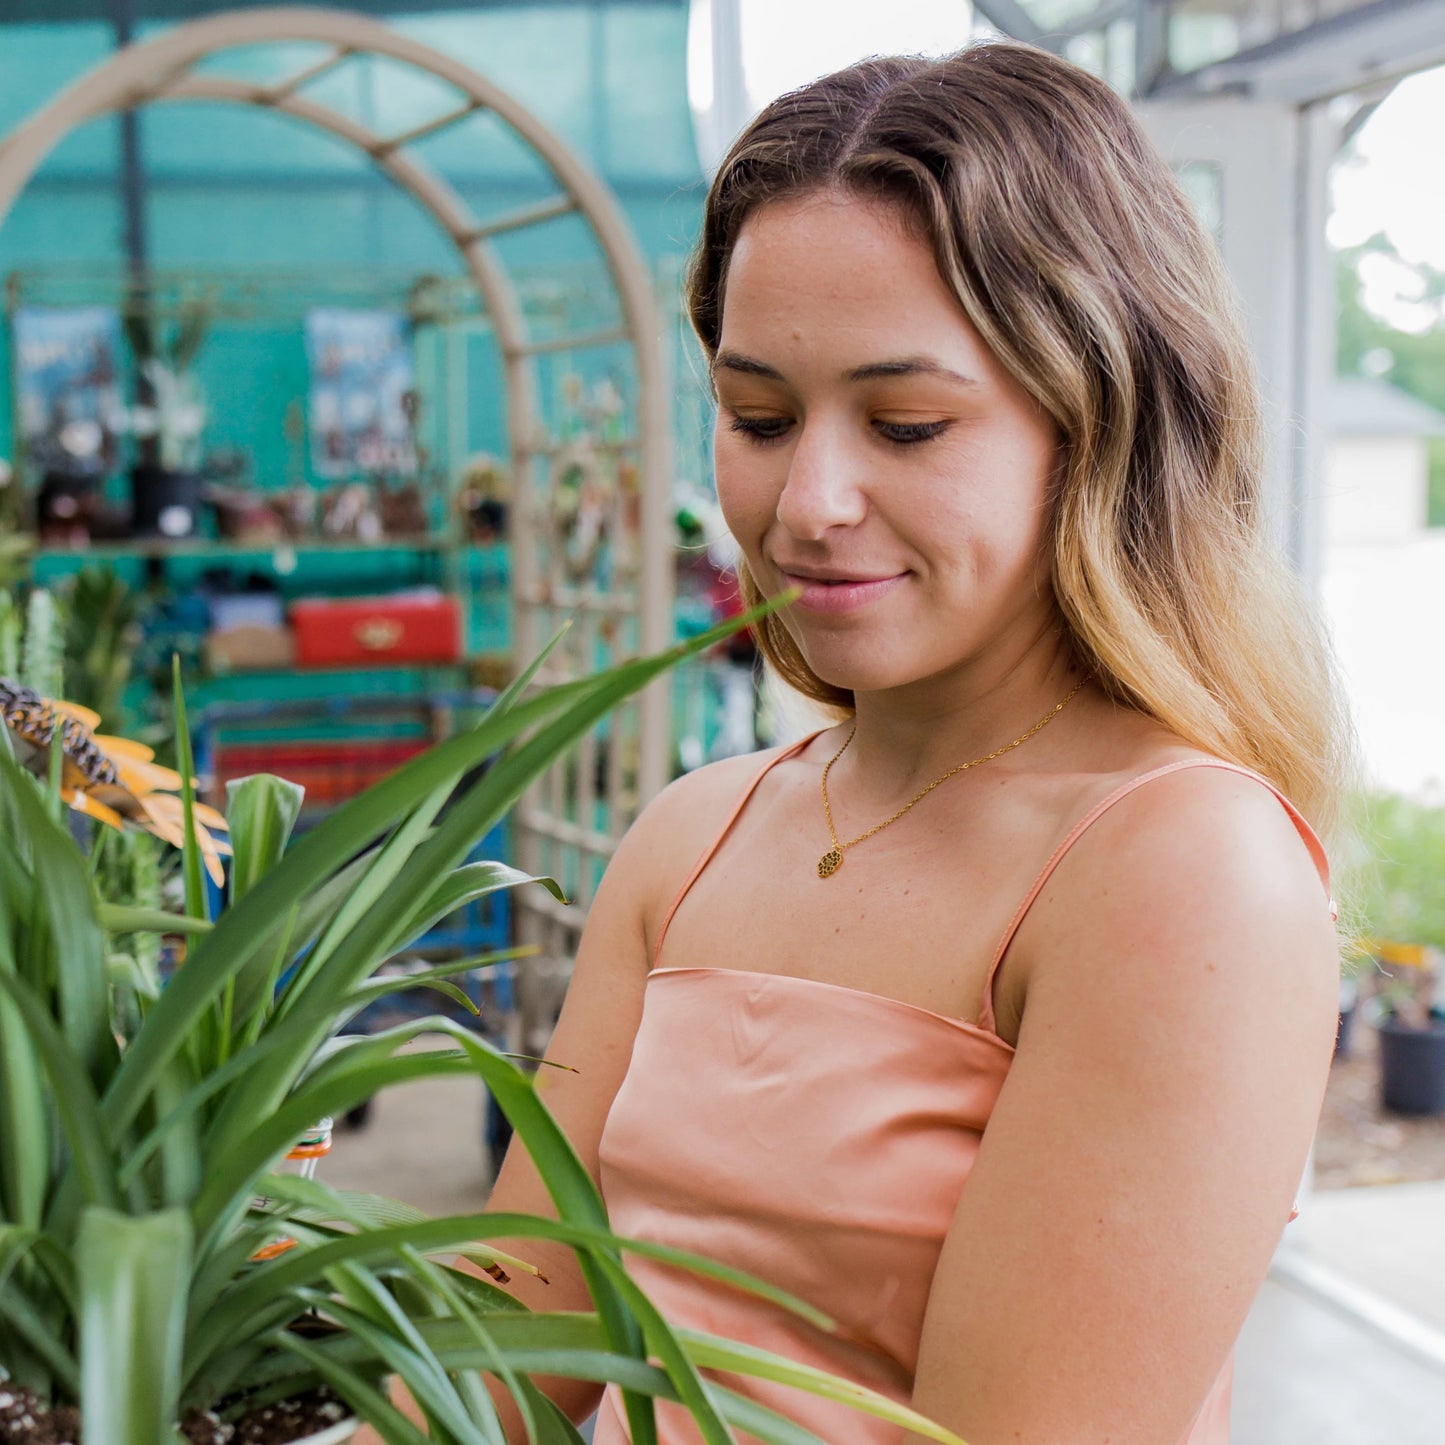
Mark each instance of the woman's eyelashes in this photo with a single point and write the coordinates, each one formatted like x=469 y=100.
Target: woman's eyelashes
x=760 y=428
x=906 y=433
x=765 y=429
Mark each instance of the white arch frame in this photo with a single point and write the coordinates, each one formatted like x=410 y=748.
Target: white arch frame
x=162 y=71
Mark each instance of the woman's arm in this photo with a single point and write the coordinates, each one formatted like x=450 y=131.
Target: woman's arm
x=1181 y=992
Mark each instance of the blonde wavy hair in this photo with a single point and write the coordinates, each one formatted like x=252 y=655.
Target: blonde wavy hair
x=1079 y=260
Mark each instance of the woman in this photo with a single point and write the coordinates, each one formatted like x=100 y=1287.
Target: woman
x=982 y=399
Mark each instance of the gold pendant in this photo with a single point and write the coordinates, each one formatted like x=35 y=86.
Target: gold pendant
x=830 y=862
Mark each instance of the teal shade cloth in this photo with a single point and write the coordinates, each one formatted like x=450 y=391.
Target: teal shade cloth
x=233 y=187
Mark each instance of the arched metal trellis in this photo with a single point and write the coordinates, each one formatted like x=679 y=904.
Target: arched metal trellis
x=569 y=825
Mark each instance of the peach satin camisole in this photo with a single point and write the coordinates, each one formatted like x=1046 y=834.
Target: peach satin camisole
x=818 y=1137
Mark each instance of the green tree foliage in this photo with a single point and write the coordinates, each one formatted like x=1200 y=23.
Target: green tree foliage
x=1400 y=883
x=1414 y=361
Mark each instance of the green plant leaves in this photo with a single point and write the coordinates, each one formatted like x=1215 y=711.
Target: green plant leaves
x=74 y=1096
x=262 y=810
x=134 y=1273
x=121 y=918
x=126 y=1179
x=249 y=927
x=63 y=926
x=192 y=868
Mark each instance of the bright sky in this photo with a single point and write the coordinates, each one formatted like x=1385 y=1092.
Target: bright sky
x=1394 y=181
x=785 y=43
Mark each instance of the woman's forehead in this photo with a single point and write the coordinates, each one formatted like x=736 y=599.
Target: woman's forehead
x=844 y=274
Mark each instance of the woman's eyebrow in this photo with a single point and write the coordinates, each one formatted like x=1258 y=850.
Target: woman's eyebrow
x=900 y=366
x=909 y=366
x=749 y=366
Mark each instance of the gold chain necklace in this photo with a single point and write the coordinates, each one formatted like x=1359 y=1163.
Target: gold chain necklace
x=832 y=860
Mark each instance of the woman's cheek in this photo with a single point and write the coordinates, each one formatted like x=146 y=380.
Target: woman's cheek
x=744 y=498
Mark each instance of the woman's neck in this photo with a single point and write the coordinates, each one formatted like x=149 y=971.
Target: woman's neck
x=906 y=737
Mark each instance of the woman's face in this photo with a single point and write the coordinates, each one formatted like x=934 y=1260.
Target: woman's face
x=870 y=450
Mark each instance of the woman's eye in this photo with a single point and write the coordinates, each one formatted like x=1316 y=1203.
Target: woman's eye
x=761 y=428
x=906 y=433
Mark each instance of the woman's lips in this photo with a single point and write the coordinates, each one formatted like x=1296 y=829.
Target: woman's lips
x=844 y=595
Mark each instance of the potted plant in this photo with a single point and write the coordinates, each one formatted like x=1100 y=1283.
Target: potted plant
x=1410 y=1021
x=169 y=414
x=1405 y=914
x=154 y=1265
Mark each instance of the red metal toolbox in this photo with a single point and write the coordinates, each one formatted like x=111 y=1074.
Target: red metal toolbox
x=351 y=631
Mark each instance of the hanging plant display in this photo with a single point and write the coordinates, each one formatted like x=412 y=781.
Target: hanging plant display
x=581 y=499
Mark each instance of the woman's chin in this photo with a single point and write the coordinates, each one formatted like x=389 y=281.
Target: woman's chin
x=854 y=674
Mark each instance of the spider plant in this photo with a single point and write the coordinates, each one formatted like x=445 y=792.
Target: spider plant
x=139 y=1272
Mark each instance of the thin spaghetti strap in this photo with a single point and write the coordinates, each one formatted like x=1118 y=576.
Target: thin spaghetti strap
x=722 y=833
x=1307 y=834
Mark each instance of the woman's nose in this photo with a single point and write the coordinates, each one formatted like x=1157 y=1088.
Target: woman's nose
x=823 y=488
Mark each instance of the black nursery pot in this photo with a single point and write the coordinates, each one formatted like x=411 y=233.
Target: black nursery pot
x=164 y=503
x=1412 y=1066
x=1345 y=1033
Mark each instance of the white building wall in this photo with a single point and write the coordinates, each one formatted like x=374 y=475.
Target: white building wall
x=1375 y=490
x=1384 y=606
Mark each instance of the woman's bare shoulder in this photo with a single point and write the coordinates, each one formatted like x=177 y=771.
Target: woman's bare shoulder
x=1189 y=852
x=1203 y=852
x=672 y=833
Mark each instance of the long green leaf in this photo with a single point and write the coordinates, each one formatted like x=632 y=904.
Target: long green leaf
x=410 y=1359
x=25 y=1132
x=568 y=1345
x=40 y=1338
x=118 y=918
x=133 y=1275
x=462 y=886
x=575 y=1197
x=663 y=1345
x=316 y=1202
x=245 y=929
x=262 y=810
x=25 y=1164
x=74 y=1097
x=388 y=984
x=251 y=927
x=287 y=938
x=386 y=863
x=66 y=927
x=192 y=869
x=757 y=1420
x=17 y=1243
x=355 y=1051
x=469 y=1386
x=180 y=1150
x=357 y=1391
x=545 y=1422
x=232 y=1315
x=573 y=1345
x=185 y=1111
x=231 y=1174
x=714 y=1353
x=470 y=817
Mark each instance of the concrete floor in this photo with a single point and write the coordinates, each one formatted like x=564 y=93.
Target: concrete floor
x=1345 y=1345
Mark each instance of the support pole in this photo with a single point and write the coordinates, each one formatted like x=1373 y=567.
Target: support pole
x=132 y=166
